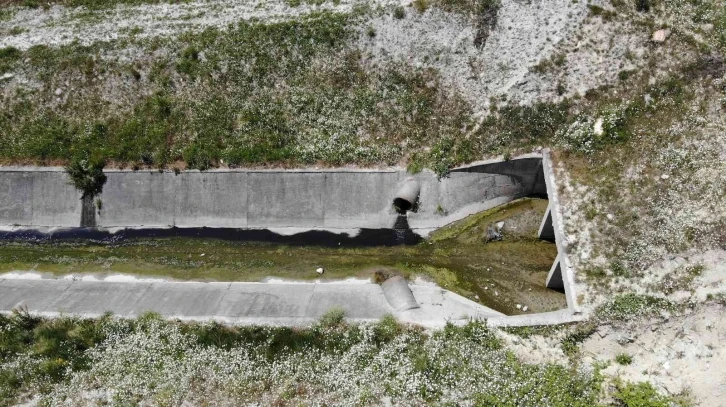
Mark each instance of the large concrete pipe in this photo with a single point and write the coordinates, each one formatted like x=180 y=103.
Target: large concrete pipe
x=398 y=294
x=407 y=195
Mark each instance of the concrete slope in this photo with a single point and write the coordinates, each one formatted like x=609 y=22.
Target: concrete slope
x=285 y=303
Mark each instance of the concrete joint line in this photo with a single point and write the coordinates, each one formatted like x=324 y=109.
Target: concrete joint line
x=310 y=301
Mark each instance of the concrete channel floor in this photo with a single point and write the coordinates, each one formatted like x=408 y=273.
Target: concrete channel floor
x=278 y=303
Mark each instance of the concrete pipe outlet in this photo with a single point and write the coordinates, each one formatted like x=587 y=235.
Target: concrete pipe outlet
x=407 y=196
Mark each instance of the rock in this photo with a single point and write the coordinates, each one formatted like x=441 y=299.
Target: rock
x=664 y=176
x=661 y=35
x=58 y=92
x=500 y=225
x=625 y=339
x=320 y=270
x=492 y=234
x=597 y=128
x=519 y=306
x=610 y=216
x=525 y=308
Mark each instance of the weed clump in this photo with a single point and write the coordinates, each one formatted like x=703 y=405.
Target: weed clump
x=8 y=57
x=333 y=318
x=623 y=359
x=639 y=395
x=587 y=134
x=642 y=6
x=626 y=307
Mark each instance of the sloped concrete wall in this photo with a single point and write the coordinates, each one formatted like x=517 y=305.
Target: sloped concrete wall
x=305 y=199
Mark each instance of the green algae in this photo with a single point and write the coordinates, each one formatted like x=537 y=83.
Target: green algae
x=498 y=274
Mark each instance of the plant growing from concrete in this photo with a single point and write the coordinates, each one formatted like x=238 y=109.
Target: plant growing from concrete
x=86 y=173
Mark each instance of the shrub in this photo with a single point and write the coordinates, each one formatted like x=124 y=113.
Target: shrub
x=623 y=359
x=86 y=174
x=188 y=60
x=8 y=56
x=371 y=32
x=639 y=395
x=642 y=5
x=334 y=317
x=387 y=329
x=399 y=13
x=421 y=5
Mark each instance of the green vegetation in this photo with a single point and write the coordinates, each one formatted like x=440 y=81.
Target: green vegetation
x=8 y=57
x=58 y=358
x=623 y=359
x=474 y=7
x=630 y=306
x=268 y=107
x=87 y=175
x=642 y=5
x=456 y=257
x=577 y=335
x=606 y=15
x=641 y=395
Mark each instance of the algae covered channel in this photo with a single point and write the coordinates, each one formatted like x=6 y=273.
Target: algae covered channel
x=498 y=274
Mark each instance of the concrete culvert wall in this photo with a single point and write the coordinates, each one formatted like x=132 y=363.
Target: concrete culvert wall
x=398 y=294
x=407 y=195
x=42 y=197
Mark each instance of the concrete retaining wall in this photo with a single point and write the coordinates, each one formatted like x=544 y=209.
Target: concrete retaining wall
x=301 y=199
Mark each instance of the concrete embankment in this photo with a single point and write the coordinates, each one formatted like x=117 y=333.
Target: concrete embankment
x=279 y=303
x=305 y=199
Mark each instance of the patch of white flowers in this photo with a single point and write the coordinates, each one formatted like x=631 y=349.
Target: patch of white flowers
x=586 y=133
x=157 y=363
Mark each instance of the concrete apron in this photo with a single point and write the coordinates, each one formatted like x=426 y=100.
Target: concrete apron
x=285 y=303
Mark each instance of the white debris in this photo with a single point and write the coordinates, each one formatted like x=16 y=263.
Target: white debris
x=661 y=35
x=519 y=306
x=597 y=128
x=525 y=308
x=320 y=270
